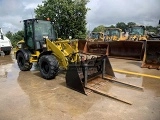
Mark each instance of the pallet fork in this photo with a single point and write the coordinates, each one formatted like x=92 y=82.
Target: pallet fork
x=89 y=73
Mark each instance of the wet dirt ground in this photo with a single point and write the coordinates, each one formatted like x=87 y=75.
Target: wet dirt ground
x=27 y=96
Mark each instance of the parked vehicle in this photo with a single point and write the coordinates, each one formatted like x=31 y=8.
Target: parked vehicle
x=5 y=44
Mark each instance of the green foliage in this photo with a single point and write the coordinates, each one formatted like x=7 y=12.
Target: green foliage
x=124 y=27
x=69 y=16
x=16 y=37
x=152 y=29
x=121 y=25
x=131 y=24
x=9 y=35
x=100 y=28
x=112 y=26
x=80 y=35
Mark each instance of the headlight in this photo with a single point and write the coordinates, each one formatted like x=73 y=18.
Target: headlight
x=45 y=37
x=19 y=46
x=44 y=45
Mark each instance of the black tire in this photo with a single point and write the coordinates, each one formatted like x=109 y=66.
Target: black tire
x=49 y=66
x=7 y=52
x=23 y=64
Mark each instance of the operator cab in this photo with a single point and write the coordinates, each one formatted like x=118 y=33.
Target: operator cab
x=137 y=30
x=95 y=35
x=36 y=32
x=112 y=32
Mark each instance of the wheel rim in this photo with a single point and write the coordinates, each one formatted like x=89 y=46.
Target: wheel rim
x=45 y=67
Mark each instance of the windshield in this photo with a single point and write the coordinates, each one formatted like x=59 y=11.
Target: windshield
x=44 y=29
x=112 y=32
x=137 y=31
x=95 y=35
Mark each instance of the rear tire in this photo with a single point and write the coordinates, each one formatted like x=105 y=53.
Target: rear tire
x=23 y=64
x=49 y=66
x=7 y=52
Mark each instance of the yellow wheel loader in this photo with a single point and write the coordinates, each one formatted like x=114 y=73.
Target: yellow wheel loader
x=114 y=34
x=96 y=36
x=100 y=46
x=137 y=33
x=121 y=46
x=41 y=45
x=150 y=48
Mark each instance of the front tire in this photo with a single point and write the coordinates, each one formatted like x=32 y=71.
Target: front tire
x=23 y=64
x=49 y=66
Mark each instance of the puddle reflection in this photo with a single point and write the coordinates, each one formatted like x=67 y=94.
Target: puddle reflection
x=128 y=78
x=6 y=64
x=151 y=84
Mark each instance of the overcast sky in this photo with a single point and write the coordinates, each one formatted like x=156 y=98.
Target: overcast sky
x=103 y=12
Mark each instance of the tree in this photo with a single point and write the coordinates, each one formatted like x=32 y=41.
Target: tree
x=112 y=26
x=14 y=38
x=129 y=24
x=121 y=25
x=124 y=27
x=69 y=16
x=152 y=29
x=9 y=35
x=100 y=28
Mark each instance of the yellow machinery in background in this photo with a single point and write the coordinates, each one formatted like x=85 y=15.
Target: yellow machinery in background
x=137 y=33
x=114 y=34
x=96 y=36
x=150 y=48
x=123 y=45
x=136 y=45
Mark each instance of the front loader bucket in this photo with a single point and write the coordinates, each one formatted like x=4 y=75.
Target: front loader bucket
x=81 y=45
x=151 y=57
x=81 y=74
x=96 y=47
x=126 y=49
